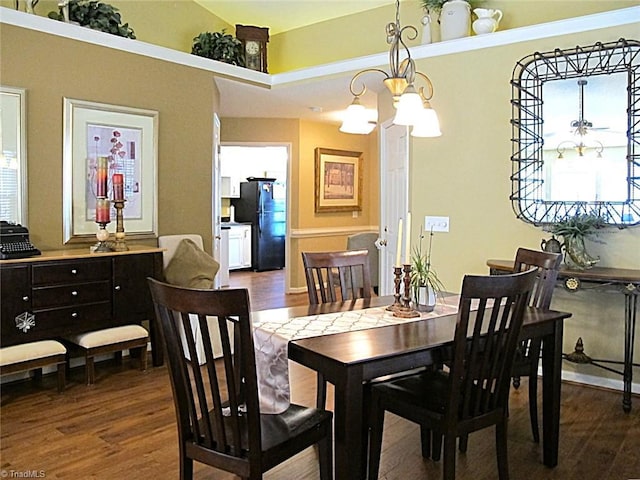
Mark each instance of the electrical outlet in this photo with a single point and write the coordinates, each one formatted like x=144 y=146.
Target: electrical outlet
x=436 y=224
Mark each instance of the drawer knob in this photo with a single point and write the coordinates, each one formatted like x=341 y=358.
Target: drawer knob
x=74 y=315
x=74 y=293
x=25 y=298
x=118 y=287
x=74 y=271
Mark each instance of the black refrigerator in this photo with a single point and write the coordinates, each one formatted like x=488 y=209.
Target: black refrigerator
x=263 y=203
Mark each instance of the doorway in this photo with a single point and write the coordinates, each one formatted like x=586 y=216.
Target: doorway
x=240 y=161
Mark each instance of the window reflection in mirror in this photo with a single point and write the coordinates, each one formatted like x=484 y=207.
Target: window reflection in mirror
x=13 y=171
x=576 y=134
x=585 y=139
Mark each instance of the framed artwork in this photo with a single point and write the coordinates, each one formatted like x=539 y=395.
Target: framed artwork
x=128 y=139
x=338 y=185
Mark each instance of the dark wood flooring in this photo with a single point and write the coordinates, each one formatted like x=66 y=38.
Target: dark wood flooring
x=124 y=427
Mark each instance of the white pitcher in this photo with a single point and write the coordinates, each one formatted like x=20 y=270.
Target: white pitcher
x=455 y=19
x=488 y=20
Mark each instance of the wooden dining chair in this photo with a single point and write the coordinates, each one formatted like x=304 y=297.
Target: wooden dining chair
x=333 y=277
x=474 y=394
x=527 y=357
x=217 y=407
x=528 y=352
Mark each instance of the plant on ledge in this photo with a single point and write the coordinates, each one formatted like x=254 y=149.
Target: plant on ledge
x=424 y=277
x=219 y=46
x=573 y=230
x=95 y=15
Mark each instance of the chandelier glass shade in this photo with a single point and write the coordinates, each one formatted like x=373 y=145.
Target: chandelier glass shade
x=581 y=139
x=412 y=104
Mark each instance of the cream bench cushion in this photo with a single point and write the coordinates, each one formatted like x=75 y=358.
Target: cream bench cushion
x=30 y=351
x=109 y=336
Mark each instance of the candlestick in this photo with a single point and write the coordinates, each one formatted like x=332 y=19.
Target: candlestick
x=397 y=279
x=407 y=248
x=102 y=235
x=399 y=244
x=101 y=177
x=118 y=186
x=120 y=245
x=405 y=310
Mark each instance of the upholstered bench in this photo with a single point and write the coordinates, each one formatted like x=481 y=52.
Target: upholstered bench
x=111 y=340
x=34 y=356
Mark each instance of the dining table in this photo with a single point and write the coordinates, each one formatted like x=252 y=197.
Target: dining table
x=350 y=359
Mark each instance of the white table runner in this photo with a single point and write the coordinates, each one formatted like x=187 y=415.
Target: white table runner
x=271 y=341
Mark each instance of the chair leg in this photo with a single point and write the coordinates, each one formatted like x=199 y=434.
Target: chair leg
x=463 y=443
x=118 y=357
x=376 y=422
x=186 y=467
x=37 y=375
x=449 y=463
x=325 y=455
x=501 y=450
x=321 y=396
x=533 y=389
x=425 y=440
x=436 y=446
x=141 y=354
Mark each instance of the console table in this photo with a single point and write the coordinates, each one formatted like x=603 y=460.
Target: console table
x=67 y=292
x=628 y=282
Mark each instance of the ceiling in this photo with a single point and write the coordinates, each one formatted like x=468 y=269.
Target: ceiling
x=283 y=15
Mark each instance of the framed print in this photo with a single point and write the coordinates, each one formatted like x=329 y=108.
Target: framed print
x=124 y=138
x=338 y=180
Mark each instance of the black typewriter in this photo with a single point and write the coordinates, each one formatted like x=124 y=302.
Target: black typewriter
x=14 y=242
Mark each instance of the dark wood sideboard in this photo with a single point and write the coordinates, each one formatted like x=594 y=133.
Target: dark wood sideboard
x=73 y=291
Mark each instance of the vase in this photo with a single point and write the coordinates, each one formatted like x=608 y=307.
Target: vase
x=576 y=253
x=455 y=19
x=487 y=21
x=426 y=29
x=424 y=299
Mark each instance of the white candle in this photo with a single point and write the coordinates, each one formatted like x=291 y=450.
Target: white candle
x=399 y=243
x=407 y=251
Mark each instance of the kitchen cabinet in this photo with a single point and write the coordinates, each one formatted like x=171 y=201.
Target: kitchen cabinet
x=229 y=187
x=239 y=247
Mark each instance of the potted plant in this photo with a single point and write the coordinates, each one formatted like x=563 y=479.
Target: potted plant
x=219 y=46
x=93 y=14
x=425 y=283
x=573 y=230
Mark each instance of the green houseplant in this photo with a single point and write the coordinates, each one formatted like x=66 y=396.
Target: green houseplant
x=424 y=280
x=219 y=46
x=574 y=229
x=95 y=15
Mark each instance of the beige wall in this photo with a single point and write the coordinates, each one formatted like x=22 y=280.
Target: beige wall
x=51 y=68
x=465 y=174
x=304 y=137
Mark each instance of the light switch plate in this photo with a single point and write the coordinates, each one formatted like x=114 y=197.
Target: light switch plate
x=436 y=224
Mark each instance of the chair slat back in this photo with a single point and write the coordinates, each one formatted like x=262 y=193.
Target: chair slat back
x=337 y=276
x=217 y=408
x=548 y=265
x=483 y=356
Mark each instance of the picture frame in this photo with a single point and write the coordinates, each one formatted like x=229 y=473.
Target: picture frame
x=338 y=180
x=128 y=137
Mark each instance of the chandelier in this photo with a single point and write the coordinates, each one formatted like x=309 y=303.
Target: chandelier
x=411 y=104
x=580 y=131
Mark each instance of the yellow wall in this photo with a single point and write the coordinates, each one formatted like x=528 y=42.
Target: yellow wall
x=52 y=67
x=465 y=174
x=304 y=137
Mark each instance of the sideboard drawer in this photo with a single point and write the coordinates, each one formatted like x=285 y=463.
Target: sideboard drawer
x=61 y=321
x=58 y=273
x=70 y=295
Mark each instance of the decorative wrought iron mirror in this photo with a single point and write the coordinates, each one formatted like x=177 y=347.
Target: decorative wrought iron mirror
x=575 y=134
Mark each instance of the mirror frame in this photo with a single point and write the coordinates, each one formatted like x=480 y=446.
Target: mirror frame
x=20 y=127
x=527 y=178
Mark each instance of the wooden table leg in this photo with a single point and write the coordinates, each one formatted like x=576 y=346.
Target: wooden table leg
x=348 y=425
x=630 y=311
x=551 y=385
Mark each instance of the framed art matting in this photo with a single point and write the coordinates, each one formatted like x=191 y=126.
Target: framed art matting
x=338 y=180
x=128 y=139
